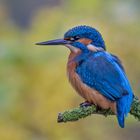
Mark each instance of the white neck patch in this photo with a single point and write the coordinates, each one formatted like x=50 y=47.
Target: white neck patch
x=93 y=48
x=90 y=47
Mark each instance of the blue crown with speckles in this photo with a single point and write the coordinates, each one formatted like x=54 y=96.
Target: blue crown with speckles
x=84 y=31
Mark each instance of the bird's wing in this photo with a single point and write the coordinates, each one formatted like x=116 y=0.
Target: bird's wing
x=118 y=61
x=102 y=73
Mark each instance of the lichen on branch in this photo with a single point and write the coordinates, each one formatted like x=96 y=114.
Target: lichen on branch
x=82 y=112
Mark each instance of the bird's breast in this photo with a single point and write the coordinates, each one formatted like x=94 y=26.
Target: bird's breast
x=88 y=93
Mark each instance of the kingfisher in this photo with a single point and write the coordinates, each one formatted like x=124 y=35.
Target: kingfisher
x=97 y=75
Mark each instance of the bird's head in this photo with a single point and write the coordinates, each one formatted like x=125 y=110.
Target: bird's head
x=84 y=38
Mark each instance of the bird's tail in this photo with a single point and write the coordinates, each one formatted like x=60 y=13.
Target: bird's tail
x=123 y=108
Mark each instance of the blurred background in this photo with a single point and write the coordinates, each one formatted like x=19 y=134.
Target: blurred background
x=33 y=82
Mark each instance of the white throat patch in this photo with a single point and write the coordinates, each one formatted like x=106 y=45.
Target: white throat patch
x=72 y=48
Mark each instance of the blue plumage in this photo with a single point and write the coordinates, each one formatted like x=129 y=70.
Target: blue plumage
x=102 y=73
x=86 y=32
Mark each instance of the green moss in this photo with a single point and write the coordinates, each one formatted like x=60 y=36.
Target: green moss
x=82 y=112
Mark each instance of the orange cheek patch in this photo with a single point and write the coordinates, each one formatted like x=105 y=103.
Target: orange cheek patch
x=85 y=41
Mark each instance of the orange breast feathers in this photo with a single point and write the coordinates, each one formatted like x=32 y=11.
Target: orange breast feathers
x=89 y=94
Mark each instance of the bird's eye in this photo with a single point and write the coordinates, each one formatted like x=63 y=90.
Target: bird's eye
x=72 y=39
x=76 y=37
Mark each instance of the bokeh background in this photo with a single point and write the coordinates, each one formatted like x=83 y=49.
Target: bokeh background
x=33 y=83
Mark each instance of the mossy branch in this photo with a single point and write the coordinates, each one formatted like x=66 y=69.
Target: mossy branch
x=82 y=112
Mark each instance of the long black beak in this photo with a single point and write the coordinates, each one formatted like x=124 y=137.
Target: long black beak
x=54 y=42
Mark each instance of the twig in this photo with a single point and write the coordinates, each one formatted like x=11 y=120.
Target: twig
x=82 y=112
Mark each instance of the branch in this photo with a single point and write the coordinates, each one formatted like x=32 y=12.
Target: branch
x=82 y=112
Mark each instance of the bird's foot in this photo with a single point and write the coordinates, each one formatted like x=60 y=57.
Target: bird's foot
x=85 y=104
x=98 y=108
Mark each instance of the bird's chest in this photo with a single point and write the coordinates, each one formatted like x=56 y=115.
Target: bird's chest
x=85 y=91
x=73 y=76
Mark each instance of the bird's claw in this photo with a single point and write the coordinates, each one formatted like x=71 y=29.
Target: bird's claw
x=85 y=104
x=98 y=108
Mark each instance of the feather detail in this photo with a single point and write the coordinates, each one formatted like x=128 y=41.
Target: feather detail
x=89 y=94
